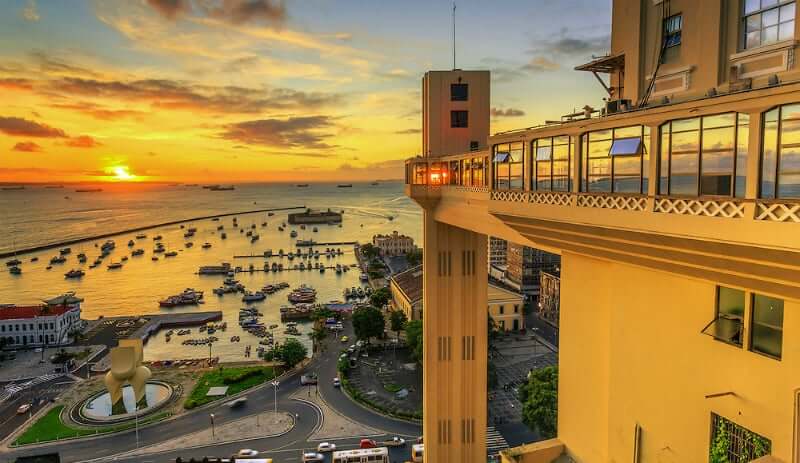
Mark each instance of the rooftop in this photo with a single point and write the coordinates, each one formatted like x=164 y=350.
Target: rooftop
x=410 y=282
x=32 y=311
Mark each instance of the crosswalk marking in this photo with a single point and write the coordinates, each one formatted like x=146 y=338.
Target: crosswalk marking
x=14 y=388
x=495 y=441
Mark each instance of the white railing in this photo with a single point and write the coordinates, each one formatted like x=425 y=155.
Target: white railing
x=609 y=201
x=509 y=195
x=778 y=212
x=551 y=198
x=726 y=208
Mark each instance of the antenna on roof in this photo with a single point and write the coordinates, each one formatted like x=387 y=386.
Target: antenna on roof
x=454 y=35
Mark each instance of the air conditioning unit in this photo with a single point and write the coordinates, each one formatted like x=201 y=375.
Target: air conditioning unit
x=616 y=106
x=474 y=145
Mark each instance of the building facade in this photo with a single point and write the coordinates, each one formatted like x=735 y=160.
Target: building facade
x=675 y=210
x=394 y=244
x=549 y=303
x=48 y=324
x=506 y=308
x=406 y=289
x=498 y=252
x=525 y=265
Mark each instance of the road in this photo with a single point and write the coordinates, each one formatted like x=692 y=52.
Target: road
x=39 y=395
x=286 y=448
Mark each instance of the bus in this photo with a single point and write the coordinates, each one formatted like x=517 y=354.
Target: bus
x=416 y=452
x=377 y=454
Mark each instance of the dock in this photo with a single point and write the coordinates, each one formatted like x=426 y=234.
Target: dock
x=301 y=244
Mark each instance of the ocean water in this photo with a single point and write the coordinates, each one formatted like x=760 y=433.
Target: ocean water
x=37 y=216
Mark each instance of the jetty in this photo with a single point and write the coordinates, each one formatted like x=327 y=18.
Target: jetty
x=315 y=217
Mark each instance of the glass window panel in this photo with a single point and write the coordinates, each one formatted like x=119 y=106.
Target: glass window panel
x=501 y=157
x=769 y=159
x=561 y=168
x=683 y=178
x=561 y=183
x=683 y=125
x=743 y=137
x=516 y=176
x=561 y=152
x=786 y=31
x=726 y=329
x=790 y=132
x=767 y=332
x=753 y=23
x=718 y=162
x=768 y=3
x=599 y=149
x=718 y=139
x=730 y=302
x=645 y=158
x=753 y=39
x=543 y=175
x=663 y=186
x=789 y=180
x=685 y=142
x=719 y=120
x=626 y=146
x=769 y=35
x=628 y=165
x=771 y=116
x=562 y=140
x=516 y=152
x=600 y=135
x=787 y=112
x=628 y=132
x=751 y=6
x=769 y=18
x=599 y=175
x=787 y=13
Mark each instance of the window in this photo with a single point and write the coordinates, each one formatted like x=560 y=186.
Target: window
x=704 y=155
x=459 y=92
x=455 y=178
x=550 y=169
x=501 y=309
x=767 y=21
x=616 y=160
x=734 y=443
x=516 y=308
x=766 y=336
x=508 y=166
x=728 y=321
x=780 y=153
x=459 y=119
x=672 y=31
x=420 y=175
x=438 y=173
x=478 y=177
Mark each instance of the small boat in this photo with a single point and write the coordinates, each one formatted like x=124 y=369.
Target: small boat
x=58 y=260
x=206 y=245
x=157 y=238
x=137 y=252
x=114 y=265
x=34 y=259
x=82 y=258
x=131 y=243
x=293 y=234
x=124 y=258
x=223 y=235
x=315 y=229
x=154 y=258
x=74 y=274
x=345 y=185
x=49 y=267
x=189 y=244
x=254 y=297
x=16 y=270
x=171 y=254
x=65 y=251
x=15 y=262
x=254 y=238
x=141 y=236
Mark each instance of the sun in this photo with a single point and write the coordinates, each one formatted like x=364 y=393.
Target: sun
x=121 y=174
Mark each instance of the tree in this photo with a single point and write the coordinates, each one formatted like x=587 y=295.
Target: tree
x=290 y=353
x=414 y=338
x=322 y=313
x=539 y=399
x=398 y=321
x=317 y=335
x=370 y=251
x=414 y=257
x=368 y=322
x=380 y=297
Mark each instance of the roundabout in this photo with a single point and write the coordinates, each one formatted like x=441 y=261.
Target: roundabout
x=97 y=410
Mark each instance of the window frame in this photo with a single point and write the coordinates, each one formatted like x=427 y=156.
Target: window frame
x=667 y=35
x=508 y=177
x=778 y=154
x=455 y=122
x=644 y=159
x=551 y=162
x=738 y=150
x=729 y=317
x=751 y=347
x=454 y=96
x=760 y=11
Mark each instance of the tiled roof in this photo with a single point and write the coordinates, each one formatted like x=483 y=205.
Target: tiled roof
x=26 y=312
x=410 y=282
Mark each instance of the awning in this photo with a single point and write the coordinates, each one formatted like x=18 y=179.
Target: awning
x=501 y=157
x=606 y=64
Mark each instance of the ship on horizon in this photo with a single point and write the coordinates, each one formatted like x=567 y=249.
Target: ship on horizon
x=89 y=190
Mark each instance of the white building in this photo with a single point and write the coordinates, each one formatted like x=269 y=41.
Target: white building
x=46 y=324
x=394 y=244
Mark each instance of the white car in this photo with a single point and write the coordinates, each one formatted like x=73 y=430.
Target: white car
x=247 y=453
x=336 y=383
x=312 y=456
x=326 y=447
x=395 y=442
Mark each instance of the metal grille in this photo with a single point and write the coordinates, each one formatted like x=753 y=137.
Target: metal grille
x=743 y=445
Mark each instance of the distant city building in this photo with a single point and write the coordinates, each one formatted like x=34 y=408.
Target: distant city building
x=45 y=324
x=505 y=307
x=524 y=266
x=498 y=251
x=406 y=289
x=394 y=244
x=549 y=296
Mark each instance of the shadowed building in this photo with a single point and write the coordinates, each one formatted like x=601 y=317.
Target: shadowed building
x=676 y=212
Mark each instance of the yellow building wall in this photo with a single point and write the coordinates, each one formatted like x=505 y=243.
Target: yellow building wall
x=631 y=342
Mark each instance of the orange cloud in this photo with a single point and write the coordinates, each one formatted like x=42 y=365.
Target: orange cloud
x=18 y=126
x=27 y=147
x=83 y=141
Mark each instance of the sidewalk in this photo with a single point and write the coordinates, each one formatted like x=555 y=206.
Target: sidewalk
x=334 y=425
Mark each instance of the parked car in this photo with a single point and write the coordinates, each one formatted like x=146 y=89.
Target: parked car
x=395 y=442
x=23 y=409
x=308 y=379
x=247 y=453
x=326 y=447
x=337 y=382
x=345 y=339
x=312 y=456
x=367 y=444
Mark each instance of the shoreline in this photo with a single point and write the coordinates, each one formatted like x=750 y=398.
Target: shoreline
x=59 y=244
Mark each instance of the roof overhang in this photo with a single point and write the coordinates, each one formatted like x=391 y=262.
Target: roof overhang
x=606 y=64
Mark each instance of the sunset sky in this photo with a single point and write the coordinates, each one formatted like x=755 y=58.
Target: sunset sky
x=264 y=90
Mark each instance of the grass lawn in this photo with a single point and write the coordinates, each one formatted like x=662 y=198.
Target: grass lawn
x=237 y=380
x=49 y=427
x=392 y=387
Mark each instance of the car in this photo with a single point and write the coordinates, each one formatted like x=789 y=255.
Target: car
x=236 y=403
x=337 y=382
x=312 y=456
x=360 y=344
x=395 y=442
x=326 y=447
x=367 y=444
x=345 y=339
x=247 y=453
x=23 y=409
x=308 y=379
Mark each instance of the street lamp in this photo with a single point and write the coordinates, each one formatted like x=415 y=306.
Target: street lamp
x=212 y=426
x=275 y=385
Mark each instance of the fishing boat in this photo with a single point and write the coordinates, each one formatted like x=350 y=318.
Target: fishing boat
x=108 y=246
x=14 y=262
x=171 y=254
x=154 y=258
x=315 y=229
x=34 y=259
x=137 y=252
x=293 y=234
x=223 y=235
x=64 y=251
x=141 y=236
x=253 y=297
x=270 y=214
x=189 y=244
x=345 y=185
x=206 y=245
x=15 y=270
x=82 y=258
x=124 y=258
x=302 y=294
x=189 y=296
x=131 y=243
x=157 y=238
x=58 y=260
x=74 y=274
x=114 y=265
x=254 y=238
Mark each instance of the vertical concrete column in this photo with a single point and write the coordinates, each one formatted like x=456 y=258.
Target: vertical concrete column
x=455 y=343
x=753 y=179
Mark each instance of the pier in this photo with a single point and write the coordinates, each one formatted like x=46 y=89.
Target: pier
x=139 y=229
x=302 y=244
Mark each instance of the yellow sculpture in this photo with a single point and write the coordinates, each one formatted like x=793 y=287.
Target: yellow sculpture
x=126 y=366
